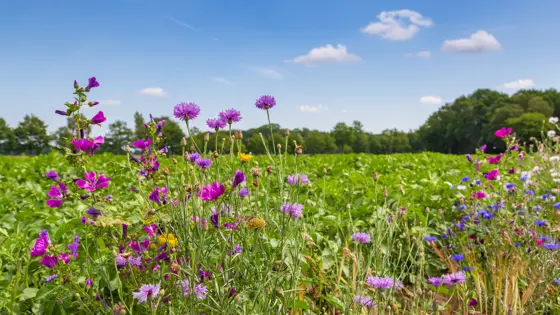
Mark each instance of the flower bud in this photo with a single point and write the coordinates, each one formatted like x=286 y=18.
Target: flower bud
x=324 y=171
x=184 y=142
x=299 y=150
x=174 y=160
x=215 y=154
x=279 y=146
x=256 y=183
x=269 y=169
x=165 y=171
x=207 y=137
x=239 y=134
x=287 y=132
x=76 y=86
x=256 y=172
x=127 y=148
x=375 y=176
x=188 y=188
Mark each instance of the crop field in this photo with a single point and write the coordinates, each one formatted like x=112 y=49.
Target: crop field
x=214 y=231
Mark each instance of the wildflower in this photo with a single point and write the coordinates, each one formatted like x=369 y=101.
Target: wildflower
x=243 y=192
x=159 y=195
x=142 y=144
x=430 y=238
x=495 y=159
x=92 y=82
x=49 y=261
x=553 y=120
x=509 y=186
x=483 y=148
x=186 y=111
x=51 y=278
x=98 y=118
x=92 y=212
x=473 y=302
x=204 y=275
x=211 y=191
x=230 y=116
x=384 y=283
x=56 y=193
x=469 y=157
x=452 y=279
x=82 y=144
x=120 y=261
x=232 y=292
x=61 y=112
x=480 y=195
x=551 y=246
x=465 y=179
x=135 y=261
x=501 y=133
x=200 y=291
x=557 y=281
x=244 y=157
x=435 y=281
x=216 y=123
x=162 y=256
x=365 y=301
x=540 y=222
x=298 y=178
x=204 y=163
x=551 y=133
x=52 y=175
x=238 y=178
x=360 y=237
x=40 y=247
x=168 y=239
x=468 y=269
x=151 y=229
x=92 y=182
x=265 y=102
x=294 y=209
x=147 y=291
x=89 y=283
x=256 y=223
x=74 y=247
x=193 y=157
x=557 y=205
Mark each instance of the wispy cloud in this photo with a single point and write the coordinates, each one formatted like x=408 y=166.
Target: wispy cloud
x=421 y=54
x=434 y=100
x=269 y=72
x=180 y=23
x=519 y=84
x=223 y=80
x=154 y=91
x=326 y=54
x=110 y=102
x=312 y=109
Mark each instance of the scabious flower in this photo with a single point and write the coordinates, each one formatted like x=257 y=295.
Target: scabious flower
x=186 y=111
x=159 y=195
x=243 y=192
x=238 y=178
x=384 y=283
x=146 y=292
x=553 y=120
x=501 y=133
x=430 y=238
x=52 y=175
x=216 y=123
x=435 y=281
x=293 y=209
x=265 y=102
x=98 y=118
x=142 y=144
x=204 y=164
x=361 y=237
x=211 y=191
x=451 y=279
x=551 y=133
x=230 y=116
x=56 y=194
x=92 y=182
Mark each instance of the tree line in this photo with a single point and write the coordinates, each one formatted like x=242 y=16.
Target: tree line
x=457 y=127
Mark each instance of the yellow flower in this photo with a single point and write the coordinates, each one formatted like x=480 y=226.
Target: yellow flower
x=256 y=223
x=244 y=157
x=169 y=239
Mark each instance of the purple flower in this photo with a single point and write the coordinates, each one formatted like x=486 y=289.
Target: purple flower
x=92 y=182
x=135 y=261
x=124 y=230
x=83 y=220
x=74 y=247
x=361 y=237
x=89 y=282
x=193 y=157
x=141 y=246
x=265 y=102
x=162 y=256
x=52 y=175
x=238 y=178
x=49 y=261
x=51 y=278
x=216 y=123
x=204 y=163
x=92 y=82
x=97 y=142
x=64 y=258
x=151 y=229
x=473 y=302
x=384 y=283
x=430 y=238
x=146 y=292
x=186 y=111
x=243 y=192
x=211 y=191
x=92 y=212
x=120 y=260
x=551 y=246
x=159 y=195
x=61 y=112
x=200 y=291
x=40 y=247
x=435 y=281
x=215 y=218
x=458 y=257
x=82 y=144
x=56 y=193
x=232 y=292
x=365 y=301
x=204 y=275
x=164 y=150
x=142 y=144
x=469 y=157
x=98 y=118
x=452 y=279
x=230 y=115
x=294 y=209
x=238 y=249
x=540 y=222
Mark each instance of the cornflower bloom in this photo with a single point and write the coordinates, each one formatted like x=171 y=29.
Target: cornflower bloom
x=204 y=163
x=435 y=281
x=216 y=123
x=186 y=111
x=361 y=237
x=365 y=301
x=458 y=257
x=384 y=283
x=451 y=279
x=265 y=102
x=294 y=209
x=230 y=116
x=430 y=238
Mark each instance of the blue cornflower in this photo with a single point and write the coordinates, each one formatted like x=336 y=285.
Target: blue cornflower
x=478 y=182
x=517 y=244
x=545 y=196
x=462 y=207
x=510 y=186
x=468 y=269
x=545 y=238
x=551 y=246
x=430 y=238
x=557 y=205
x=444 y=235
x=540 y=222
x=458 y=257
x=529 y=192
x=557 y=281
x=537 y=208
x=465 y=179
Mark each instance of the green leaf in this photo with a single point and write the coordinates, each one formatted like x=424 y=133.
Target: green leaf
x=29 y=293
x=299 y=304
x=334 y=301
x=100 y=243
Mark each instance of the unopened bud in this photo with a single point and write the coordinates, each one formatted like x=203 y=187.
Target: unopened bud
x=207 y=137
x=375 y=176
x=325 y=171
x=239 y=134
x=165 y=171
x=279 y=146
x=256 y=172
x=215 y=154
x=83 y=98
x=174 y=160
x=184 y=141
x=127 y=148
x=385 y=192
x=256 y=183
x=76 y=86
x=299 y=150
x=231 y=140
x=269 y=169
x=287 y=132
x=188 y=188
x=186 y=156
x=428 y=210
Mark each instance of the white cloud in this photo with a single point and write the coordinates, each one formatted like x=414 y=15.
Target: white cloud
x=223 y=80
x=325 y=54
x=397 y=25
x=434 y=100
x=156 y=91
x=420 y=54
x=519 y=84
x=110 y=102
x=312 y=109
x=270 y=73
x=181 y=23
x=481 y=41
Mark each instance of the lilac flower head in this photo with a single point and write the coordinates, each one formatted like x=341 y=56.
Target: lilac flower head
x=204 y=163
x=265 y=102
x=243 y=192
x=212 y=191
x=98 y=118
x=298 y=178
x=435 y=281
x=92 y=82
x=238 y=178
x=186 y=111
x=384 y=283
x=230 y=116
x=361 y=237
x=92 y=182
x=452 y=279
x=216 y=123
x=193 y=157
x=293 y=209
x=52 y=175
x=146 y=292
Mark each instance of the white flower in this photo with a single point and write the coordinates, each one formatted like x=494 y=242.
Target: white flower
x=461 y=187
x=553 y=158
x=551 y=133
x=556 y=180
x=553 y=120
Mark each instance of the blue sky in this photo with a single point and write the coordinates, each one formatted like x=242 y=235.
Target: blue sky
x=397 y=62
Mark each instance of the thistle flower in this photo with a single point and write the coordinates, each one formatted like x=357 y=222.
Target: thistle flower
x=265 y=102
x=92 y=182
x=361 y=237
x=98 y=118
x=146 y=292
x=216 y=123
x=212 y=191
x=230 y=116
x=451 y=279
x=186 y=111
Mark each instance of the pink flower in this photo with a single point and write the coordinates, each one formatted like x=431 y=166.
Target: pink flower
x=40 y=247
x=503 y=132
x=492 y=175
x=483 y=148
x=480 y=195
x=64 y=258
x=142 y=144
x=49 y=261
x=211 y=191
x=92 y=182
x=98 y=118
x=97 y=142
x=496 y=159
x=56 y=194
x=151 y=229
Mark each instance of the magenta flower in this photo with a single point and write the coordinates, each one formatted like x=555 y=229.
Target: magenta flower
x=82 y=144
x=40 y=247
x=146 y=292
x=212 y=191
x=49 y=261
x=452 y=279
x=98 y=118
x=89 y=283
x=56 y=193
x=361 y=237
x=159 y=195
x=483 y=148
x=496 y=159
x=92 y=182
x=238 y=178
x=64 y=258
x=265 y=102
x=216 y=123
x=52 y=175
x=151 y=229
x=97 y=142
x=142 y=144
x=480 y=195
x=501 y=133
x=230 y=115
x=92 y=82
x=186 y=111
x=293 y=209
x=492 y=175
